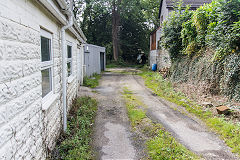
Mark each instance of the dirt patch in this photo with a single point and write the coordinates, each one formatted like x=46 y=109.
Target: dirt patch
x=202 y=96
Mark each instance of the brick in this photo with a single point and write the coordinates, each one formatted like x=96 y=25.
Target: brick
x=223 y=110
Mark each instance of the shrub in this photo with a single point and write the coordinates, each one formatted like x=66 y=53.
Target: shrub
x=223 y=35
x=171 y=33
x=76 y=142
x=215 y=25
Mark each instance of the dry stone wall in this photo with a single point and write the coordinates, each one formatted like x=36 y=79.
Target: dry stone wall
x=161 y=58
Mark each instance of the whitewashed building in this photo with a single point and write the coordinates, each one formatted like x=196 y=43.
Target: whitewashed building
x=41 y=59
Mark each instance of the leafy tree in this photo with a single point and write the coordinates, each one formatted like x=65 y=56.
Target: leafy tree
x=122 y=26
x=150 y=10
x=172 y=28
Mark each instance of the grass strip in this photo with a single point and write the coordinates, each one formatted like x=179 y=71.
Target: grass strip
x=228 y=131
x=160 y=145
x=121 y=64
x=92 y=81
x=75 y=143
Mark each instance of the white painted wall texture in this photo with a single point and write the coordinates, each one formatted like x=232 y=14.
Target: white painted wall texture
x=29 y=126
x=161 y=58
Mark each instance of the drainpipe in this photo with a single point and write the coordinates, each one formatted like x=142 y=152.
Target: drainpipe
x=64 y=63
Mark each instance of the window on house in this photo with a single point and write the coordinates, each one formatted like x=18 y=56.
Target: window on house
x=69 y=60
x=46 y=62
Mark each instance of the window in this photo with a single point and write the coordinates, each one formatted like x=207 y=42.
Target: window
x=46 y=62
x=69 y=60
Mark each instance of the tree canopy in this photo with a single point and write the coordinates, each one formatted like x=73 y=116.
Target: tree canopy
x=131 y=27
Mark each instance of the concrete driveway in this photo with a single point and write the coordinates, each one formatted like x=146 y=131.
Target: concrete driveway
x=113 y=138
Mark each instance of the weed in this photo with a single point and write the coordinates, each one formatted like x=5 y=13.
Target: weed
x=75 y=143
x=159 y=143
x=91 y=82
x=228 y=131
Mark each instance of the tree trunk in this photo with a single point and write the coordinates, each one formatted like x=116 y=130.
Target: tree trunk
x=115 y=28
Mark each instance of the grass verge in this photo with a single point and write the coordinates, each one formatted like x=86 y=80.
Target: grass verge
x=75 y=143
x=121 y=64
x=159 y=143
x=92 y=81
x=228 y=131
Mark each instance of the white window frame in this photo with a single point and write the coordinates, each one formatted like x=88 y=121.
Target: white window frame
x=69 y=60
x=48 y=64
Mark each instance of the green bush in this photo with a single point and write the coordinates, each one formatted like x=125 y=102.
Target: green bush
x=215 y=25
x=224 y=34
x=171 y=33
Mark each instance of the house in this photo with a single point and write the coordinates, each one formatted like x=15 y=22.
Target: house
x=41 y=69
x=157 y=55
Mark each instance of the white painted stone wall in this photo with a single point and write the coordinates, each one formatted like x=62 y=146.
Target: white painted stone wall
x=161 y=58
x=153 y=57
x=29 y=127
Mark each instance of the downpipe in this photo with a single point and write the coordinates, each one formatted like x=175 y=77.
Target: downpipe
x=64 y=63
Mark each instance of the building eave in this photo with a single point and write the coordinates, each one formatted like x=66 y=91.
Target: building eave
x=160 y=9
x=79 y=30
x=53 y=9
x=61 y=17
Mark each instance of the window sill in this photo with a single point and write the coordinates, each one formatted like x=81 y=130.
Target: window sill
x=71 y=78
x=47 y=102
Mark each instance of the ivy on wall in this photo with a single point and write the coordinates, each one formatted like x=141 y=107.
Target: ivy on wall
x=215 y=25
x=211 y=32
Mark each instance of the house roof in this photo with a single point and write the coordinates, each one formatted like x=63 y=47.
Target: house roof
x=155 y=30
x=192 y=3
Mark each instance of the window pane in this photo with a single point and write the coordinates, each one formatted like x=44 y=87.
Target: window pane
x=46 y=82
x=69 y=50
x=45 y=49
x=69 y=68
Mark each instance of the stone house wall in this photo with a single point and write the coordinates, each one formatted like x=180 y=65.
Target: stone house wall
x=29 y=126
x=161 y=58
